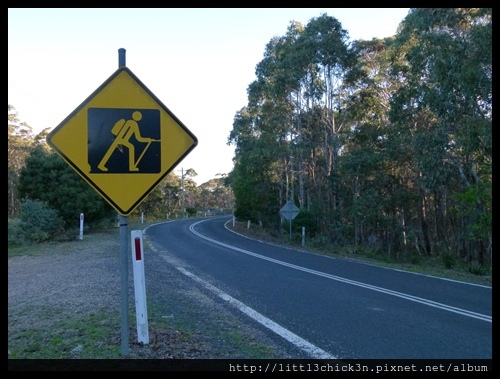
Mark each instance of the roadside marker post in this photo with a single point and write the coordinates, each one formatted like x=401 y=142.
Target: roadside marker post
x=141 y=310
x=80 y=237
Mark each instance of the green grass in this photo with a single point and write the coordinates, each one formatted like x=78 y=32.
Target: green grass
x=98 y=335
x=59 y=340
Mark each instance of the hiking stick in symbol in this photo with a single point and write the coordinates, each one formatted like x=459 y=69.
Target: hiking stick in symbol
x=124 y=130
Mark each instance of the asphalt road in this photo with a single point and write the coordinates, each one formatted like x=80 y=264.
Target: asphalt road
x=332 y=308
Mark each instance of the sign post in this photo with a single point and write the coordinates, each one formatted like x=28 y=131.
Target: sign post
x=290 y=211
x=123 y=141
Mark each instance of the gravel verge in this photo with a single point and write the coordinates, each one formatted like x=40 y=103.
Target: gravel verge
x=78 y=283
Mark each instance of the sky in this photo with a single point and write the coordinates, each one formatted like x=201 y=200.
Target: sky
x=198 y=62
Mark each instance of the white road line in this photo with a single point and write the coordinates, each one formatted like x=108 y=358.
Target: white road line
x=309 y=348
x=431 y=303
x=312 y=350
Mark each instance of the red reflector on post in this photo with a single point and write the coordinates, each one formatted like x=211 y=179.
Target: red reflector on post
x=137 y=249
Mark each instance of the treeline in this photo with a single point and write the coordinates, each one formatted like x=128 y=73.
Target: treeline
x=38 y=176
x=384 y=144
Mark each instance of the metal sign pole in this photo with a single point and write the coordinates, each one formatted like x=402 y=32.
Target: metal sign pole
x=289 y=211
x=124 y=283
x=124 y=259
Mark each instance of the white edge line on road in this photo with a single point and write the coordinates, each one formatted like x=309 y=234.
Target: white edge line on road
x=431 y=303
x=357 y=261
x=309 y=348
x=312 y=350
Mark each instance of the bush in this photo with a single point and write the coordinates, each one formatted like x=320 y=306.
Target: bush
x=39 y=222
x=308 y=220
x=321 y=241
x=303 y=219
x=191 y=212
x=475 y=268
x=14 y=234
x=448 y=260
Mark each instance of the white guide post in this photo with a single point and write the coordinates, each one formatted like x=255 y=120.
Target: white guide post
x=80 y=237
x=141 y=310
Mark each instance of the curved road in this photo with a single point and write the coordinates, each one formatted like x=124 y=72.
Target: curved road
x=331 y=308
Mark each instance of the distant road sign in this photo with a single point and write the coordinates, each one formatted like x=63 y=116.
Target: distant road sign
x=122 y=140
x=289 y=210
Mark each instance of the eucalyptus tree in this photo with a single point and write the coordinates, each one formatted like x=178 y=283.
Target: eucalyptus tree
x=162 y=200
x=254 y=179
x=375 y=164
x=294 y=95
x=19 y=143
x=262 y=133
x=170 y=189
x=189 y=188
x=446 y=102
x=295 y=76
x=327 y=62
x=327 y=47
x=273 y=97
x=214 y=194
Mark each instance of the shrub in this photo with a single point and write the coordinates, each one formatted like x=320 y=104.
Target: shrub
x=303 y=219
x=321 y=241
x=39 y=222
x=191 y=212
x=449 y=260
x=475 y=268
x=14 y=234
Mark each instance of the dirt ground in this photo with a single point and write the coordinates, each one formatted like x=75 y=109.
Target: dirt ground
x=80 y=278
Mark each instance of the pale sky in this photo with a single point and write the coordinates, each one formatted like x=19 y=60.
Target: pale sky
x=198 y=62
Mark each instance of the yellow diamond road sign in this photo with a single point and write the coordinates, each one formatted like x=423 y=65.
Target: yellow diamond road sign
x=122 y=140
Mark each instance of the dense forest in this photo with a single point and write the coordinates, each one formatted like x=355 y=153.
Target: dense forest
x=383 y=144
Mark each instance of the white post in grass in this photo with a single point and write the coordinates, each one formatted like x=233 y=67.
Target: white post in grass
x=80 y=237
x=141 y=310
